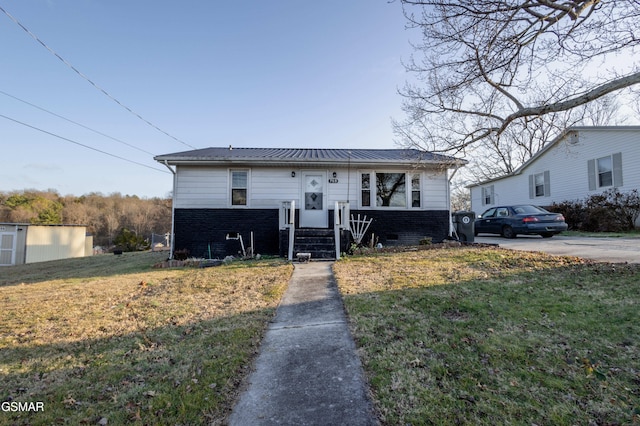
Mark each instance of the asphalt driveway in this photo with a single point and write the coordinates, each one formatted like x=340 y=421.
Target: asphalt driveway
x=602 y=249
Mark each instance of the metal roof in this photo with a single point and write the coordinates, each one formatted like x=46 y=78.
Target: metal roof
x=277 y=156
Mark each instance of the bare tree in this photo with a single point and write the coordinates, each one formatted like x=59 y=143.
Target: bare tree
x=487 y=69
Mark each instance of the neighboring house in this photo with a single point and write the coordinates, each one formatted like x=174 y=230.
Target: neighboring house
x=24 y=243
x=582 y=161
x=270 y=195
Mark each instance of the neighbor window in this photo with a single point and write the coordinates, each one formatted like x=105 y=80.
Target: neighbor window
x=605 y=171
x=539 y=185
x=239 y=180
x=487 y=195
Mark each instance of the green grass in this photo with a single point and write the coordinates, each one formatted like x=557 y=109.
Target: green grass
x=109 y=338
x=489 y=336
x=630 y=234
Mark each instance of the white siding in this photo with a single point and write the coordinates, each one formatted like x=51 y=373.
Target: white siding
x=201 y=187
x=434 y=191
x=208 y=187
x=567 y=166
x=54 y=242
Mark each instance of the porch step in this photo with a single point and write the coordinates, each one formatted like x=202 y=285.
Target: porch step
x=320 y=243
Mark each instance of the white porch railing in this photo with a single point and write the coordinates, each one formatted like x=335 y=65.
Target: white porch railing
x=340 y=222
x=288 y=221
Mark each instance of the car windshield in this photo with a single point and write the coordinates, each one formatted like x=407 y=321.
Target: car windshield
x=529 y=210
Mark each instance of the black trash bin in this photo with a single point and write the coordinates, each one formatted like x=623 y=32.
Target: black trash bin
x=465 y=228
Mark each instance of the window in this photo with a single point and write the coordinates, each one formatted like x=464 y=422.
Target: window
x=539 y=185
x=489 y=213
x=366 y=190
x=605 y=171
x=415 y=190
x=487 y=195
x=391 y=190
x=239 y=180
x=502 y=212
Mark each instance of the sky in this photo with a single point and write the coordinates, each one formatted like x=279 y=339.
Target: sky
x=256 y=73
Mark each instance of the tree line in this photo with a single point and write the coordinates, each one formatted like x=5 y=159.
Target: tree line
x=106 y=216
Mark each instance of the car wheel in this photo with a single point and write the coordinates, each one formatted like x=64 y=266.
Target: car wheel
x=507 y=232
x=547 y=235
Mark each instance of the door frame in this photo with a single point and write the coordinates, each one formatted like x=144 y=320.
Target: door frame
x=313 y=218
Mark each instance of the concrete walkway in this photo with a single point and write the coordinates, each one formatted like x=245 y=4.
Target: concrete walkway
x=307 y=372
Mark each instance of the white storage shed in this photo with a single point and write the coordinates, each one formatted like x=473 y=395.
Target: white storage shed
x=22 y=243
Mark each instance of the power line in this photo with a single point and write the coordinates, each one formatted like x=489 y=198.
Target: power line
x=81 y=144
x=75 y=122
x=64 y=61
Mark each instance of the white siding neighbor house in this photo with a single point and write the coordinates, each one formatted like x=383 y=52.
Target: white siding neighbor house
x=582 y=161
x=227 y=197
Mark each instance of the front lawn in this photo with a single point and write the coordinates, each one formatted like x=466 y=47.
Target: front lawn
x=109 y=340
x=485 y=336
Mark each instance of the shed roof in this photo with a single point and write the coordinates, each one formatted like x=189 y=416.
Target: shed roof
x=289 y=156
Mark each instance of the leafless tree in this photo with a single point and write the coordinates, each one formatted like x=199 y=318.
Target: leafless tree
x=488 y=69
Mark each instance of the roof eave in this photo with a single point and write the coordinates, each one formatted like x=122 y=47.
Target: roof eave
x=199 y=161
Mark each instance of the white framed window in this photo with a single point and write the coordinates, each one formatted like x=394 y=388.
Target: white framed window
x=389 y=189
x=487 y=195
x=605 y=171
x=239 y=180
x=416 y=198
x=539 y=185
x=604 y=167
x=365 y=192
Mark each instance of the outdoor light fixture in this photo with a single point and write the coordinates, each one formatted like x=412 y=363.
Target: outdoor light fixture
x=335 y=175
x=293 y=174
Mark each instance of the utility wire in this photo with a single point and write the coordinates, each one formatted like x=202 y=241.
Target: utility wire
x=75 y=122
x=81 y=144
x=64 y=61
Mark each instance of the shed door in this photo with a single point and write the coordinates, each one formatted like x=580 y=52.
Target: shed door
x=313 y=212
x=7 y=249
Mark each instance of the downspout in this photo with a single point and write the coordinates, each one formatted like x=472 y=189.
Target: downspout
x=451 y=227
x=173 y=209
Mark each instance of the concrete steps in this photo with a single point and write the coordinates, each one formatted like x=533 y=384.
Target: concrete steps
x=320 y=243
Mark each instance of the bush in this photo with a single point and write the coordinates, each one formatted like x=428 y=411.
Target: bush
x=129 y=241
x=611 y=211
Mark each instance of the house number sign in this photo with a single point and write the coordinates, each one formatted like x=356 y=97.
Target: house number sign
x=334 y=180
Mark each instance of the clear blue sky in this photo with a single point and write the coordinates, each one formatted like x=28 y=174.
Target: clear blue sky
x=255 y=73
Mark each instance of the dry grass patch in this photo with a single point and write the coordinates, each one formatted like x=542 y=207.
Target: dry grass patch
x=129 y=344
x=491 y=336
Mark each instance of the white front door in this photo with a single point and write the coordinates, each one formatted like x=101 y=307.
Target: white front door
x=313 y=211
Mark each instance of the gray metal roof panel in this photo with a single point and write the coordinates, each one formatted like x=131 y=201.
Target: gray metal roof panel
x=219 y=154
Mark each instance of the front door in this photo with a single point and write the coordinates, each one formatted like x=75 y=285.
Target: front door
x=313 y=211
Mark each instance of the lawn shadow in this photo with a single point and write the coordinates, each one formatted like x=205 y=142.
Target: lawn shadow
x=173 y=374
x=105 y=265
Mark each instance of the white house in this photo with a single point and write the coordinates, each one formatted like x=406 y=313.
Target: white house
x=582 y=161
x=266 y=195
